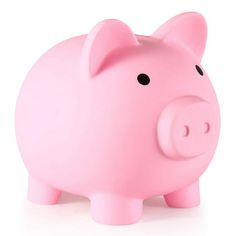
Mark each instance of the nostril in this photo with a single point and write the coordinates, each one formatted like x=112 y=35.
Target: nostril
x=186 y=131
x=206 y=127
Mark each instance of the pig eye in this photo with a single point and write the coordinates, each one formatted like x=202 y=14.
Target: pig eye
x=143 y=79
x=199 y=70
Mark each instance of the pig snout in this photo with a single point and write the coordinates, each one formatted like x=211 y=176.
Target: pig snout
x=187 y=127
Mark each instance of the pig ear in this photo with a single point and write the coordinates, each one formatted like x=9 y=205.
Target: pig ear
x=104 y=38
x=188 y=29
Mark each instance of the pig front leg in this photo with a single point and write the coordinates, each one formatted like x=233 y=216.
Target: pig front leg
x=41 y=193
x=113 y=209
x=186 y=197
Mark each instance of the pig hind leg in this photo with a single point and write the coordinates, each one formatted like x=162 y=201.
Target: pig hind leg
x=41 y=193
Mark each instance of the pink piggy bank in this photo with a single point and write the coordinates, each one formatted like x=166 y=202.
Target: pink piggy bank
x=118 y=118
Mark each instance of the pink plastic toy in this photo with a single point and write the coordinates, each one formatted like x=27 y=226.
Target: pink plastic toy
x=119 y=118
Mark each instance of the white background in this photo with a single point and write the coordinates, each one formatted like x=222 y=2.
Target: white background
x=27 y=29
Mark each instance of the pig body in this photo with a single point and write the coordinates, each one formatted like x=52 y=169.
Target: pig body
x=119 y=118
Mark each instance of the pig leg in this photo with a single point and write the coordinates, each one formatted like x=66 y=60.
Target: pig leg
x=41 y=193
x=186 y=197
x=114 y=209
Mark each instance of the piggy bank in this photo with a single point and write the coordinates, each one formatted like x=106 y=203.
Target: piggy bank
x=119 y=118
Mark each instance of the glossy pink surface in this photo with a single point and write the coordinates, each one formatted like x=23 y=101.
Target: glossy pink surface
x=85 y=124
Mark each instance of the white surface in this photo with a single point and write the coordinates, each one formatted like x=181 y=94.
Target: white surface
x=27 y=29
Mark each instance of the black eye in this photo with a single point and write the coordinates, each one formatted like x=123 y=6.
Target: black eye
x=199 y=70
x=143 y=79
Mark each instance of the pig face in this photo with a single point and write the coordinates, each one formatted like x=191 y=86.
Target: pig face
x=156 y=94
